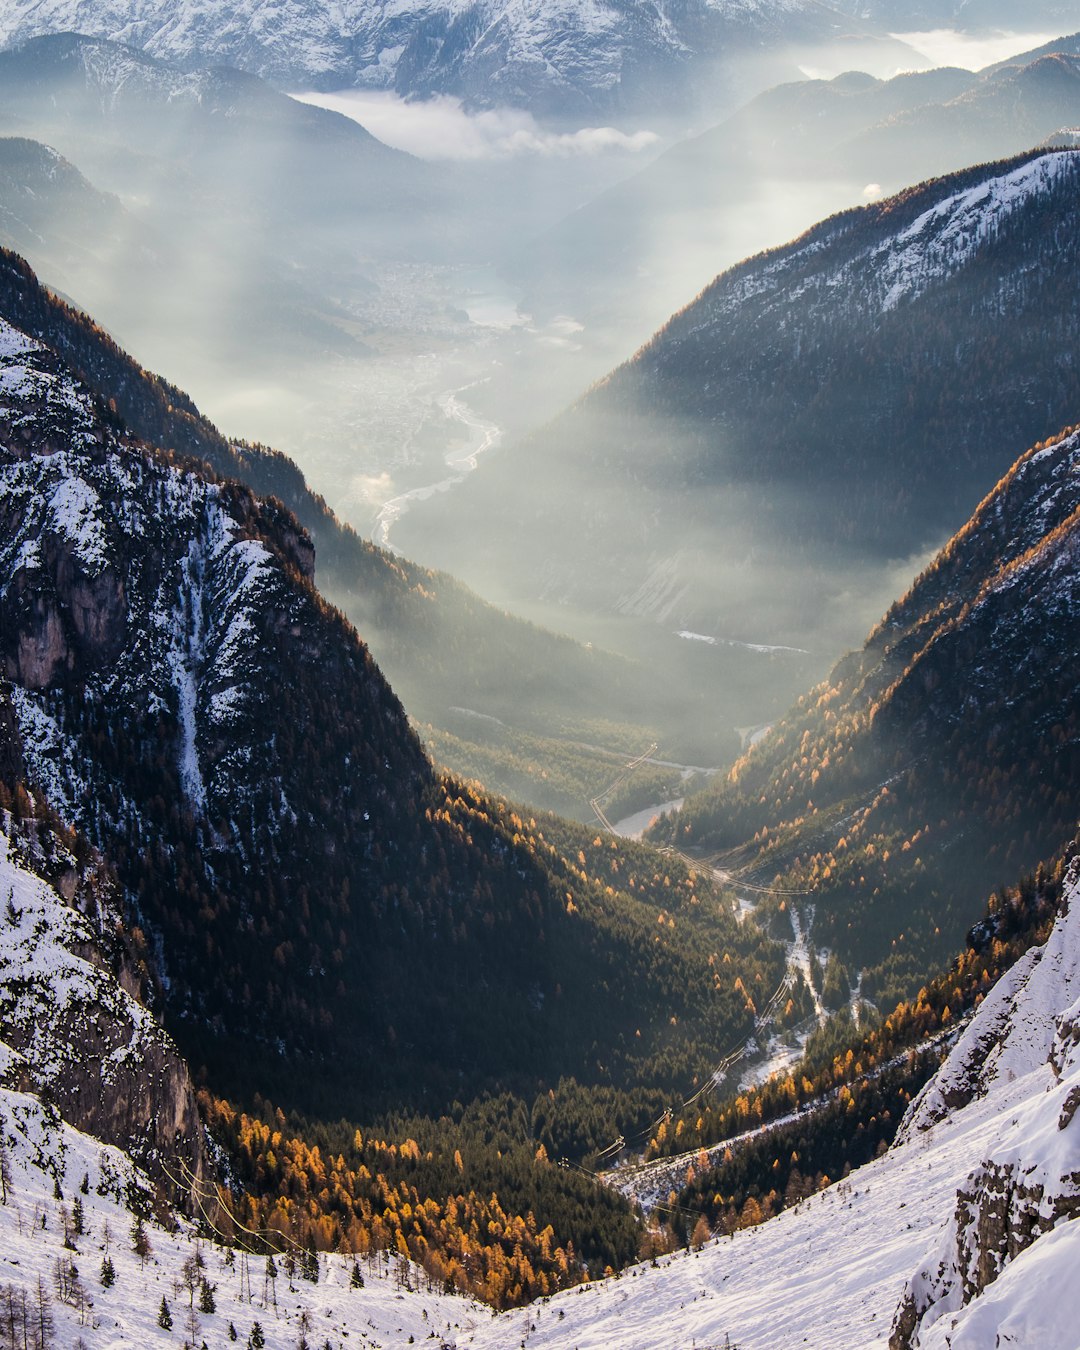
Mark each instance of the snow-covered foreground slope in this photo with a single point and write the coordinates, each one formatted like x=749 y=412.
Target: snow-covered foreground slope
x=948 y=1208
x=45 y=1155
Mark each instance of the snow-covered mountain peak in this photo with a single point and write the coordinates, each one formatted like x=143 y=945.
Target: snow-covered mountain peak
x=565 y=57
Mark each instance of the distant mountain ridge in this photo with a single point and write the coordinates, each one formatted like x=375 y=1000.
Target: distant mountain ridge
x=584 y=55
x=817 y=411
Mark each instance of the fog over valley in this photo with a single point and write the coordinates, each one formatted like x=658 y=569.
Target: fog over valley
x=539 y=715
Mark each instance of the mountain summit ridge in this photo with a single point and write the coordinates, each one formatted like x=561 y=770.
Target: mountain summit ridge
x=578 y=56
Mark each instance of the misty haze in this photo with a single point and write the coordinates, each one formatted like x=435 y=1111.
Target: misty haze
x=539 y=725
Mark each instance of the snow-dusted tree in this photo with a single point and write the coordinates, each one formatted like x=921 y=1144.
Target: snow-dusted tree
x=5 y=1174
x=44 y=1322
x=140 y=1240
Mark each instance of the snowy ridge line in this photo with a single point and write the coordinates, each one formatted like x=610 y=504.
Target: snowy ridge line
x=938 y=243
x=577 y=51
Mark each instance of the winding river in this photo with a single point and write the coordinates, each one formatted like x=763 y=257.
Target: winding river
x=479 y=437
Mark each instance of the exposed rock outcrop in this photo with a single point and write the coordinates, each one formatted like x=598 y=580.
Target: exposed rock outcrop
x=1025 y=1036
x=81 y=1038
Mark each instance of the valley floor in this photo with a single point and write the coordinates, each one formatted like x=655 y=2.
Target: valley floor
x=828 y=1274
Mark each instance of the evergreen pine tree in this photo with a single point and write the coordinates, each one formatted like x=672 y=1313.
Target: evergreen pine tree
x=256 y=1340
x=108 y=1273
x=164 y=1317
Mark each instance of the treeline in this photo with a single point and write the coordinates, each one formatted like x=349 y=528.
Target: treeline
x=469 y=1197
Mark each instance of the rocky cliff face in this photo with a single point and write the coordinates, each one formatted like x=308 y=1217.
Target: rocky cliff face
x=91 y=567
x=1022 y=1047
x=72 y=1027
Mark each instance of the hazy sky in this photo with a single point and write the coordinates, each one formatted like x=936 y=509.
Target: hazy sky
x=947 y=48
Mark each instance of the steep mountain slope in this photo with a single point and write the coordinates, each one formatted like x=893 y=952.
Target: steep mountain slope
x=817 y=413
x=1026 y=1183
x=440 y=645
x=312 y=890
x=73 y=1030
x=940 y=757
x=585 y=55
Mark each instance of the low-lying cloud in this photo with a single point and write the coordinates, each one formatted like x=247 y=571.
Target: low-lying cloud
x=946 y=47
x=440 y=128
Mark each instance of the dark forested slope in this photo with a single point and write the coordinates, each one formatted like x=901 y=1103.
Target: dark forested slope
x=939 y=759
x=309 y=889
